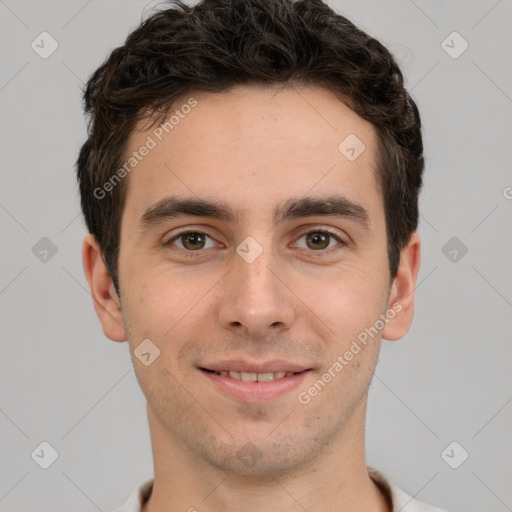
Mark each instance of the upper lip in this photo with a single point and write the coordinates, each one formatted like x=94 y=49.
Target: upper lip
x=244 y=366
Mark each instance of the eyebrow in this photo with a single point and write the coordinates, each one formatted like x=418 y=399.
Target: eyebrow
x=294 y=208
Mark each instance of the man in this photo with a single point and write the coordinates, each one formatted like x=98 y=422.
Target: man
x=250 y=183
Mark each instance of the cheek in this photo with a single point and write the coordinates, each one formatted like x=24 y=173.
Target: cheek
x=163 y=390
x=156 y=301
x=168 y=316
x=349 y=301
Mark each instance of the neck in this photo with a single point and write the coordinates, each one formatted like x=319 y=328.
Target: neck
x=338 y=475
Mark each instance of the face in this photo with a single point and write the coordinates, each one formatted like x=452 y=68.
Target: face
x=281 y=285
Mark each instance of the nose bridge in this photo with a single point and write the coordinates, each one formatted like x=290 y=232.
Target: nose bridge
x=257 y=276
x=254 y=298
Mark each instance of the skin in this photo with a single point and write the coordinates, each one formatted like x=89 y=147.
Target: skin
x=299 y=301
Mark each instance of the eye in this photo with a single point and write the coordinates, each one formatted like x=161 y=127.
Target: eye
x=191 y=240
x=321 y=239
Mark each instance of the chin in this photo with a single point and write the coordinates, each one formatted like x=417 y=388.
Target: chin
x=260 y=455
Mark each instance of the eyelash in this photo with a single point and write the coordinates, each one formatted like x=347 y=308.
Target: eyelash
x=192 y=254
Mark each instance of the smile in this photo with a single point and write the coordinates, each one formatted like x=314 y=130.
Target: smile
x=252 y=377
x=253 y=387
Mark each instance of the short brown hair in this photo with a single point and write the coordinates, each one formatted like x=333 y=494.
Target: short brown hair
x=218 y=44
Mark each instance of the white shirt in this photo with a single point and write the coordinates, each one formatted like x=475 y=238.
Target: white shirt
x=400 y=501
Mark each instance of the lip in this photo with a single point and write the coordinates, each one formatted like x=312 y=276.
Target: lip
x=267 y=367
x=255 y=392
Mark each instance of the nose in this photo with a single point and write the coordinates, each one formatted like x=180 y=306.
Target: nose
x=255 y=299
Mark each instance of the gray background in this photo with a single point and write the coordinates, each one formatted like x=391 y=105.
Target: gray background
x=449 y=379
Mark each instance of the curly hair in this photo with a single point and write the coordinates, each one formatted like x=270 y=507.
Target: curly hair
x=218 y=44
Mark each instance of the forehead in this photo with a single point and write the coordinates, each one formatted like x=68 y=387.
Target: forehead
x=251 y=145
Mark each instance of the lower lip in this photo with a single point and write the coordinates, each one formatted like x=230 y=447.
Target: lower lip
x=255 y=392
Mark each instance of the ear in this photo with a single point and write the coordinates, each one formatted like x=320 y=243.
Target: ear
x=401 y=296
x=106 y=301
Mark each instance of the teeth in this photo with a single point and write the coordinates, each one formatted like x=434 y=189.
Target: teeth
x=255 y=377
x=265 y=377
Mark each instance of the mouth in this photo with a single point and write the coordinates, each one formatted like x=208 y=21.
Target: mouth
x=253 y=384
x=251 y=376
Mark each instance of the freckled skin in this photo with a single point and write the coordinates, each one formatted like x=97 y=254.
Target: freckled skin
x=255 y=149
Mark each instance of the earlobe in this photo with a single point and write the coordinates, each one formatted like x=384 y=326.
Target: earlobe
x=401 y=297
x=105 y=299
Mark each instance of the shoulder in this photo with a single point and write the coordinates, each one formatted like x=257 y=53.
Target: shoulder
x=138 y=496
x=401 y=501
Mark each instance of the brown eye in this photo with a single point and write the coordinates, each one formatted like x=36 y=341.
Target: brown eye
x=193 y=241
x=190 y=240
x=320 y=240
